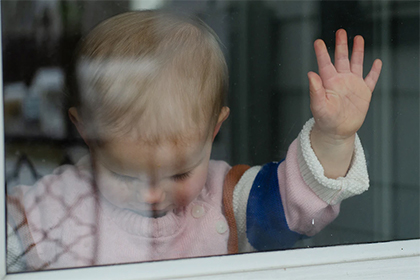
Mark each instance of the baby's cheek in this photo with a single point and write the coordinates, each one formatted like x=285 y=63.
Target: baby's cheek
x=189 y=190
x=185 y=195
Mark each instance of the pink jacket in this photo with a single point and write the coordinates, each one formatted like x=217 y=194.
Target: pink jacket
x=62 y=222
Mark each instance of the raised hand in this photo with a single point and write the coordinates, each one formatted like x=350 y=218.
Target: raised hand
x=340 y=96
x=340 y=100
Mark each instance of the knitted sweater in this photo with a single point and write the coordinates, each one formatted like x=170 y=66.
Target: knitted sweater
x=63 y=222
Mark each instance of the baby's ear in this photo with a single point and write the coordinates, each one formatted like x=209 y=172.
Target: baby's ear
x=76 y=120
x=224 y=114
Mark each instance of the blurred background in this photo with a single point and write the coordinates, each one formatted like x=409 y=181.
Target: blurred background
x=269 y=49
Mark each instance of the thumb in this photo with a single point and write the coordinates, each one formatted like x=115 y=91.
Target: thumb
x=316 y=91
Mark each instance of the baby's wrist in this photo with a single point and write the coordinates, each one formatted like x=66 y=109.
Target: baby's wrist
x=334 y=154
x=331 y=139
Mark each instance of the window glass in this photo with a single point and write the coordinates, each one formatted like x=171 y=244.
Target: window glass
x=269 y=49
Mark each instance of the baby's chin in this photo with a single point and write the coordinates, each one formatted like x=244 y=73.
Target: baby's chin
x=153 y=213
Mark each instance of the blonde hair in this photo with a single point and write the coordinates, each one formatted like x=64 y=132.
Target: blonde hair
x=152 y=75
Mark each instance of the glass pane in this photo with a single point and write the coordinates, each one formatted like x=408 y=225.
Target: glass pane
x=73 y=196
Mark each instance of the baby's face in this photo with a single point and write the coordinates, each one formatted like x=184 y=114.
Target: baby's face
x=151 y=179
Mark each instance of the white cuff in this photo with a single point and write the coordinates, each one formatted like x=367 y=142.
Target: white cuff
x=332 y=191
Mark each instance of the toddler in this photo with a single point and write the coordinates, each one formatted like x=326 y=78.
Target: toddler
x=151 y=91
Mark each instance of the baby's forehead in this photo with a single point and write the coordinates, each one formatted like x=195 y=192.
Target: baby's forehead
x=184 y=141
x=129 y=155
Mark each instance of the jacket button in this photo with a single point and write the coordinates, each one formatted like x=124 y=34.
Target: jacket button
x=221 y=226
x=198 y=211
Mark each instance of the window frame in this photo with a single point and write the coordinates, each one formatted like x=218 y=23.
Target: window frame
x=385 y=260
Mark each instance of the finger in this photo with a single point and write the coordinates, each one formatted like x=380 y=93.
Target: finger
x=373 y=75
x=356 y=63
x=325 y=67
x=317 y=92
x=341 y=55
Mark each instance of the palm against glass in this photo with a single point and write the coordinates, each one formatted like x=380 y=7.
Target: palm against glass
x=340 y=96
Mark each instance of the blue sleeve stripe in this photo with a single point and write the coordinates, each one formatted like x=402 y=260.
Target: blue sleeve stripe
x=267 y=227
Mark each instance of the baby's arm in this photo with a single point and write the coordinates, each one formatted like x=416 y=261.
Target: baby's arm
x=325 y=165
x=340 y=99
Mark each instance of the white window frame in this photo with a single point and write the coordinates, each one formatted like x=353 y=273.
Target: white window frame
x=386 y=260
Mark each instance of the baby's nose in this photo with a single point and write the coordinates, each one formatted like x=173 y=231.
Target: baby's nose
x=151 y=195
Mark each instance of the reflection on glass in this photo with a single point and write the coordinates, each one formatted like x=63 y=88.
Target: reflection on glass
x=109 y=140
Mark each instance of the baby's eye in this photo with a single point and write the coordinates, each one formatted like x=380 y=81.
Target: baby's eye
x=123 y=177
x=181 y=177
